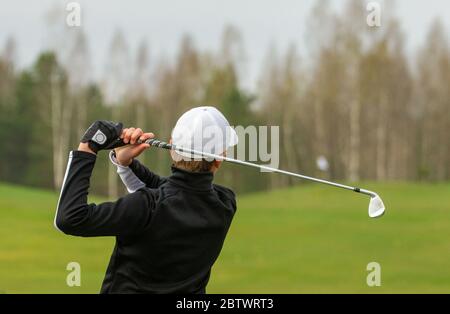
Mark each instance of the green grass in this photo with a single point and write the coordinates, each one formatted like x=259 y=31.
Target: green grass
x=308 y=239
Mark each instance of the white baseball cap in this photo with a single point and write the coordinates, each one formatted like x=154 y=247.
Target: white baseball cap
x=203 y=129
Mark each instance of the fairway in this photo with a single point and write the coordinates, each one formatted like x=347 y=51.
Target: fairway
x=306 y=239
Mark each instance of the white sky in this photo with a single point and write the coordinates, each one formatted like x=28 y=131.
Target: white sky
x=162 y=23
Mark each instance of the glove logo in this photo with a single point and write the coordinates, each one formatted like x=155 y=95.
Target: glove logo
x=99 y=137
x=103 y=135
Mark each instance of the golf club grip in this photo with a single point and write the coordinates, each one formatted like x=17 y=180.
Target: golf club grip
x=159 y=144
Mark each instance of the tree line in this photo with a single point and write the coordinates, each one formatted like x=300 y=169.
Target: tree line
x=357 y=98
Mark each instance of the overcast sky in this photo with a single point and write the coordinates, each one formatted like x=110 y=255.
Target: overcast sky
x=162 y=23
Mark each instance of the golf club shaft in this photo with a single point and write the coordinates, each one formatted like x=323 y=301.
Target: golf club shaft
x=164 y=145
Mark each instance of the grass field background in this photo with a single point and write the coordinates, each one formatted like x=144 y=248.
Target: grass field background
x=307 y=239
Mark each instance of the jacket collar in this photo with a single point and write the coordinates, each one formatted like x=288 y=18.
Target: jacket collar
x=197 y=181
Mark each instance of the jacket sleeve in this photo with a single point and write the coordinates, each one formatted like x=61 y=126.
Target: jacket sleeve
x=136 y=176
x=128 y=215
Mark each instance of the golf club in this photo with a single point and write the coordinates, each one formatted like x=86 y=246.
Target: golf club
x=376 y=206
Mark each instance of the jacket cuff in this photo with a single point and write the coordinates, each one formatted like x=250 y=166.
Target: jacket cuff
x=114 y=161
x=82 y=154
x=129 y=179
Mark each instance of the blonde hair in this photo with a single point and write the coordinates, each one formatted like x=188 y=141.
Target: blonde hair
x=194 y=165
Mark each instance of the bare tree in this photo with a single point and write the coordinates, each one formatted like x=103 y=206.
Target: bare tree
x=141 y=82
x=320 y=30
x=434 y=106
x=232 y=50
x=61 y=112
x=78 y=65
x=9 y=54
x=115 y=87
x=60 y=108
x=281 y=100
x=8 y=60
x=351 y=45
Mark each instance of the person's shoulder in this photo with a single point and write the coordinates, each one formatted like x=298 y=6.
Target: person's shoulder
x=222 y=189
x=227 y=195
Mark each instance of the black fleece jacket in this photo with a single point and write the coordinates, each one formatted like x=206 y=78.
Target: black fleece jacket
x=168 y=234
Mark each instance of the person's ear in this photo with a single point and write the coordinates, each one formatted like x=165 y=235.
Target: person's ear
x=172 y=153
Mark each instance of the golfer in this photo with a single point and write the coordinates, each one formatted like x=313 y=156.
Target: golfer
x=169 y=230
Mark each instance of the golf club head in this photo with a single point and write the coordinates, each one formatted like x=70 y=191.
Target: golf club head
x=376 y=207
